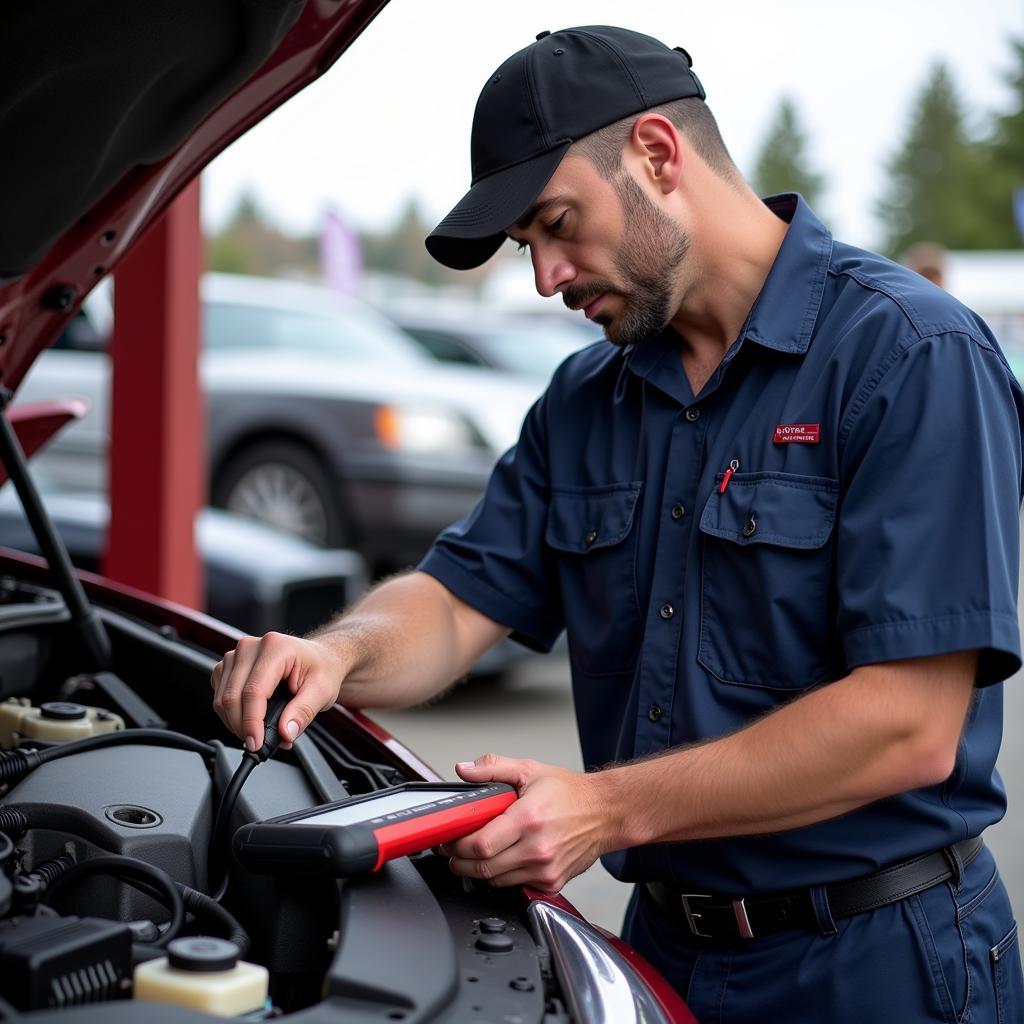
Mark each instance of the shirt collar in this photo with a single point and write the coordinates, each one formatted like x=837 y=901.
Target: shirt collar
x=784 y=314
x=785 y=311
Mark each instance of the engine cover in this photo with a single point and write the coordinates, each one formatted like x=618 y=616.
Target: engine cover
x=150 y=802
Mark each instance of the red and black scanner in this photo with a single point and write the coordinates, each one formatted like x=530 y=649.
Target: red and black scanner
x=356 y=836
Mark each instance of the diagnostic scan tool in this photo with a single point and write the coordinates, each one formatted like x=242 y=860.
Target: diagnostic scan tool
x=355 y=836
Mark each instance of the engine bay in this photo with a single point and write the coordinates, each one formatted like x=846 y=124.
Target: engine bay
x=115 y=877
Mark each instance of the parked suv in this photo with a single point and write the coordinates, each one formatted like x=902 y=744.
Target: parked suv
x=323 y=418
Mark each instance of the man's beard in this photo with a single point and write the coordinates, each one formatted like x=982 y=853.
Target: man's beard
x=653 y=247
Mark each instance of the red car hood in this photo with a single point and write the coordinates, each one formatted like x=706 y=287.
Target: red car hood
x=109 y=108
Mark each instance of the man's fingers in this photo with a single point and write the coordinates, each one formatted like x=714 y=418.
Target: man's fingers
x=274 y=661
x=486 y=870
x=498 y=835
x=234 y=674
x=245 y=678
x=512 y=867
x=495 y=768
x=312 y=698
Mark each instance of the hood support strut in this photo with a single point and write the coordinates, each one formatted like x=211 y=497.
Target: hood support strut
x=83 y=616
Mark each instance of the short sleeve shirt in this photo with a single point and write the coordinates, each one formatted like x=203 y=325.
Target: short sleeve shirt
x=844 y=490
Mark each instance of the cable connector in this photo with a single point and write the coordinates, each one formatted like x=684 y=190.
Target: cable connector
x=272 y=737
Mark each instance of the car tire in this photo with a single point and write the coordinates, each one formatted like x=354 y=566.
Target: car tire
x=285 y=485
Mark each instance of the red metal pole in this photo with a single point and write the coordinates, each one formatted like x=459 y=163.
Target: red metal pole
x=157 y=451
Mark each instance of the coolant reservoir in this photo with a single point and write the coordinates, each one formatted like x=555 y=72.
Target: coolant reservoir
x=58 y=720
x=203 y=974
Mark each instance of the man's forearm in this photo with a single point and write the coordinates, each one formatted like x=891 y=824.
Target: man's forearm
x=405 y=641
x=880 y=731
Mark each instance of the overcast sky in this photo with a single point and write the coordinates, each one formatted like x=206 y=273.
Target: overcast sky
x=392 y=118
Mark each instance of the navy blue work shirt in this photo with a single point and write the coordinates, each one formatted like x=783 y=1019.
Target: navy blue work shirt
x=873 y=428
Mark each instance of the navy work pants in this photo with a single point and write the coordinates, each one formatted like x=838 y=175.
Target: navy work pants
x=949 y=954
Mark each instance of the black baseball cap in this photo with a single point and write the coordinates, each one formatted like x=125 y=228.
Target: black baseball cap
x=544 y=98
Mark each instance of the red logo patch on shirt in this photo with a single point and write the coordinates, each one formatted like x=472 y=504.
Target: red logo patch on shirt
x=800 y=433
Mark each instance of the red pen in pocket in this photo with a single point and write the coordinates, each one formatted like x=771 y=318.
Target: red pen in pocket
x=733 y=466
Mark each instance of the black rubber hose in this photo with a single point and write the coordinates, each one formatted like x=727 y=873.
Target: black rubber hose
x=146 y=737
x=131 y=870
x=16 y=764
x=203 y=906
x=50 y=870
x=13 y=823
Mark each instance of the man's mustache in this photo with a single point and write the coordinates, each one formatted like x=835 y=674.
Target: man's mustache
x=578 y=296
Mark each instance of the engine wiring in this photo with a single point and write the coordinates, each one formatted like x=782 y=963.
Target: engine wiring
x=131 y=871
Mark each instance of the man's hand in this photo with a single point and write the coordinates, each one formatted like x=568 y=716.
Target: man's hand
x=553 y=832
x=248 y=675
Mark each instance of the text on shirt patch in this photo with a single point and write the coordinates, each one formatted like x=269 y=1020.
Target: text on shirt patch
x=801 y=433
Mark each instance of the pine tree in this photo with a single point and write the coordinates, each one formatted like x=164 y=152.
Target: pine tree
x=936 y=177
x=250 y=244
x=1005 y=164
x=782 y=165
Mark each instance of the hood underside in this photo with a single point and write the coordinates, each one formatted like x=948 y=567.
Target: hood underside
x=109 y=108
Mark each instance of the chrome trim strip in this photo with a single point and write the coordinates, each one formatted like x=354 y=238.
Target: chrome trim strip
x=599 y=984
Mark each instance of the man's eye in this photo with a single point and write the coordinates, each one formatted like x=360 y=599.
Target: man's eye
x=556 y=225
x=522 y=247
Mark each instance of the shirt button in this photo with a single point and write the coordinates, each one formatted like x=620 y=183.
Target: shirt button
x=693 y=414
x=678 y=512
x=654 y=712
x=591 y=536
x=667 y=611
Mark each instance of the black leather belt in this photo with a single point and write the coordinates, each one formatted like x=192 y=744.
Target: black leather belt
x=711 y=916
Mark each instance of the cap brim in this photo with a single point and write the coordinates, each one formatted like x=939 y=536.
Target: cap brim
x=473 y=231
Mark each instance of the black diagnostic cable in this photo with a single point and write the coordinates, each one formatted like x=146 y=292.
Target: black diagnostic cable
x=272 y=739
x=16 y=764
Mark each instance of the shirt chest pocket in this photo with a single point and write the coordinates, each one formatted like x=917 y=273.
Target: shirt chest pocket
x=592 y=532
x=767 y=589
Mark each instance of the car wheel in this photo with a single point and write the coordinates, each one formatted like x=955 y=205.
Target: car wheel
x=286 y=486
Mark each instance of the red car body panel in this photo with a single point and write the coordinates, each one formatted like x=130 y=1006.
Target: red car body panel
x=36 y=422
x=92 y=246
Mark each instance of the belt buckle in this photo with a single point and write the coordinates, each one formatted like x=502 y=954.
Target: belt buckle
x=739 y=909
x=692 y=916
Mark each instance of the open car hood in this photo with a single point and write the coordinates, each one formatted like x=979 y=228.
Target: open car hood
x=109 y=108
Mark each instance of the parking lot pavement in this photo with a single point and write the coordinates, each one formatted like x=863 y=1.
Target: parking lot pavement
x=530 y=715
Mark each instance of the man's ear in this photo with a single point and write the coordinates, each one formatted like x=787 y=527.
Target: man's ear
x=655 y=139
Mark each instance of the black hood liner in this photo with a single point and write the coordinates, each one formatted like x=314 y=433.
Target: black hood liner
x=90 y=89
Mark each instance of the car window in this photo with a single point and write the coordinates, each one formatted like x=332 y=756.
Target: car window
x=445 y=347
x=348 y=335
x=535 y=349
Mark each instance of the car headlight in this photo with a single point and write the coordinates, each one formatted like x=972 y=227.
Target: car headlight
x=411 y=429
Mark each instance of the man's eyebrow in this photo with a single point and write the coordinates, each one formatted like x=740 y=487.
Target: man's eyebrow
x=528 y=218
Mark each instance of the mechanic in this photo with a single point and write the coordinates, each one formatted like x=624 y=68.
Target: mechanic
x=778 y=518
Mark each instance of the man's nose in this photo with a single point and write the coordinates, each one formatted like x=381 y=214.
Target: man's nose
x=552 y=273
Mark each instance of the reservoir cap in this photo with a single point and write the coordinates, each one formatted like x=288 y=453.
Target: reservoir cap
x=62 y=711
x=202 y=955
